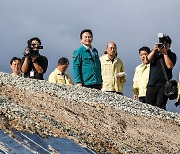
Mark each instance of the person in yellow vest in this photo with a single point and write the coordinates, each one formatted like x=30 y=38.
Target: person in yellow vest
x=141 y=76
x=112 y=70
x=59 y=75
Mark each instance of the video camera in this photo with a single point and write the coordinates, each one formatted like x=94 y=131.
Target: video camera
x=163 y=39
x=32 y=53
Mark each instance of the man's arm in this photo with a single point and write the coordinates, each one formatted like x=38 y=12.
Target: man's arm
x=152 y=53
x=52 y=78
x=38 y=68
x=168 y=62
x=24 y=66
x=40 y=64
x=77 y=67
x=135 y=88
x=122 y=78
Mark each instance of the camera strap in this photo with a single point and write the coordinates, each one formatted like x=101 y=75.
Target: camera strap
x=164 y=69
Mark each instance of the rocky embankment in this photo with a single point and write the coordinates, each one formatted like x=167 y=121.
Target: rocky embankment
x=104 y=122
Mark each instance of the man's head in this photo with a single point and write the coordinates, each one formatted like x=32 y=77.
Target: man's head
x=111 y=50
x=34 y=43
x=63 y=64
x=15 y=65
x=168 y=42
x=164 y=40
x=86 y=37
x=143 y=53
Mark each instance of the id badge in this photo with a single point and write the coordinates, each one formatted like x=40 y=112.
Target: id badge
x=32 y=74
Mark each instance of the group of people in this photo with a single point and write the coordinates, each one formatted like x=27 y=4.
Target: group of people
x=106 y=73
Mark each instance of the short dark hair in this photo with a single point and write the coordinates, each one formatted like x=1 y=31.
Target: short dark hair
x=63 y=61
x=168 y=39
x=86 y=30
x=13 y=59
x=33 y=38
x=147 y=49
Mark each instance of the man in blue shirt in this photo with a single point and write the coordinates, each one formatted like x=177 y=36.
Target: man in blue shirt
x=86 y=63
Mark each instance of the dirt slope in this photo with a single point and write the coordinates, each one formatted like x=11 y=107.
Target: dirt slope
x=99 y=126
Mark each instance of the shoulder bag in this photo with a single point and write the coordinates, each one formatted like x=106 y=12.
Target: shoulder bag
x=170 y=88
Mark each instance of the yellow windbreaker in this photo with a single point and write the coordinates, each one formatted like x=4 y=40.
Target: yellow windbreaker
x=140 y=80
x=109 y=70
x=57 y=77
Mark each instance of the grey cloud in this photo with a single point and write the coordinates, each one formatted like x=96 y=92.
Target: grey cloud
x=131 y=24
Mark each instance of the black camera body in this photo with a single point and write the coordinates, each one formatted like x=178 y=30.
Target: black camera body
x=32 y=53
x=39 y=47
x=163 y=39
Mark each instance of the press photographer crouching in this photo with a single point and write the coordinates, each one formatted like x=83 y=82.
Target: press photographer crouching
x=155 y=94
x=33 y=64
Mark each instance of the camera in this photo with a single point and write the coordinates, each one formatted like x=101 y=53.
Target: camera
x=32 y=53
x=33 y=46
x=163 y=39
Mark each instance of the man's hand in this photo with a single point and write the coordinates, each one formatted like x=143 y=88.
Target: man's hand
x=33 y=59
x=135 y=97
x=178 y=99
x=26 y=53
x=163 y=50
x=155 y=47
x=79 y=84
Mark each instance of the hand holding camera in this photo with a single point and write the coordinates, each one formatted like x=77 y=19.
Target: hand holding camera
x=32 y=51
x=164 y=40
x=26 y=53
x=163 y=51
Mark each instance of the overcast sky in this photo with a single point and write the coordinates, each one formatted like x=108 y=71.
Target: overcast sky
x=131 y=24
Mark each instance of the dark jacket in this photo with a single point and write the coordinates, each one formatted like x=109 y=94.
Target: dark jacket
x=86 y=66
x=42 y=61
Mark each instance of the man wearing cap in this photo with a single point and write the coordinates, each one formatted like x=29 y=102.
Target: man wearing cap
x=59 y=74
x=155 y=88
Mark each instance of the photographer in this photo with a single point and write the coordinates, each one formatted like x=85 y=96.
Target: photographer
x=155 y=88
x=33 y=64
